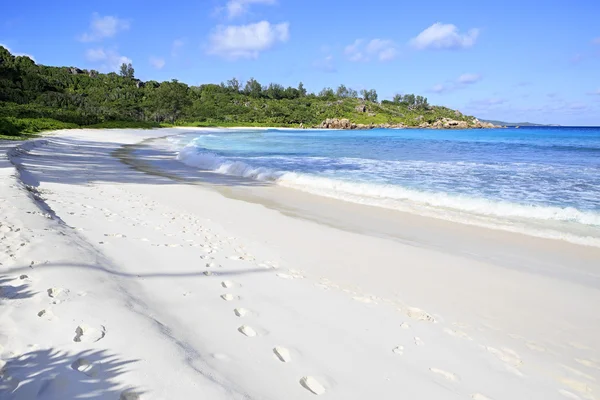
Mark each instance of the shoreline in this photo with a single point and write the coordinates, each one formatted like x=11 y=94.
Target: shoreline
x=540 y=228
x=414 y=306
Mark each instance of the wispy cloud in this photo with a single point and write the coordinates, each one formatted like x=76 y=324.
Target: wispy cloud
x=380 y=49
x=596 y=40
x=247 y=41
x=108 y=59
x=104 y=27
x=157 y=62
x=576 y=59
x=489 y=102
x=444 y=36
x=325 y=64
x=238 y=8
x=459 y=83
x=595 y=92
x=577 y=106
x=176 y=47
x=468 y=79
x=440 y=88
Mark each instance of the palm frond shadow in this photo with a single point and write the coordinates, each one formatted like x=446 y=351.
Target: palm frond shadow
x=52 y=374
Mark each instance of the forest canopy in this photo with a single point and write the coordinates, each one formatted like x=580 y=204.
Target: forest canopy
x=80 y=97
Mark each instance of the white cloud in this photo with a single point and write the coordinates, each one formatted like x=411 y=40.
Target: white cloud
x=247 y=41
x=176 y=47
x=104 y=27
x=444 y=36
x=157 y=62
x=460 y=83
x=237 y=8
x=325 y=64
x=440 y=88
x=17 y=54
x=577 y=106
x=493 y=101
x=361 y=50
x=108 y=59
x=468 y=79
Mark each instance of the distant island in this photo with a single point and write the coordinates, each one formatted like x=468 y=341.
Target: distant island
x=502 y=123
x=35 y=97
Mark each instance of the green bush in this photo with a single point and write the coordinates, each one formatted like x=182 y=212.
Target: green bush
x=16 y=127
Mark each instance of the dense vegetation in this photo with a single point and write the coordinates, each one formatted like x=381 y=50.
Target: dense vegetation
x=37 y=97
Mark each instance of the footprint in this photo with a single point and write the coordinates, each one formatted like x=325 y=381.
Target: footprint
x=229 y=297
x=587 y=363
x=285 y=276
x=282 y=354
x=447 y=375
x=577 y=386
x=247 y=331
x=227 y=284
x=84 y=366
x=458 y=334
x=569 y=395
x=535 y=346
x=362 y=299
x=479 y=396
x=313 y=385
x=55 y=292
x=506 y=355
x=398 y=350
x=579 y=373
x=46 y=313
x=404 y=325
x=418 y=341
x=85 y=333
x=240 y=312
x=418 y=314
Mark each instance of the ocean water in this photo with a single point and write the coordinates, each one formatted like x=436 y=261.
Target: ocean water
x=541 y=181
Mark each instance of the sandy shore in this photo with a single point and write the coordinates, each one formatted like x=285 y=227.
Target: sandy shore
x=125 y=274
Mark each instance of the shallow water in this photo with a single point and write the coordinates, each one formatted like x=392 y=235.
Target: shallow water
x=543 y=181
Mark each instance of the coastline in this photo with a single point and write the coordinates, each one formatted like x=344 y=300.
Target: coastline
x=475 y=311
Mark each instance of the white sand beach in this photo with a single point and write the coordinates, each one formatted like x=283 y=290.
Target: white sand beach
x=125 y=274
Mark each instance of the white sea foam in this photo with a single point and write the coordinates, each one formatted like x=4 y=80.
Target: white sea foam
x=544 y=221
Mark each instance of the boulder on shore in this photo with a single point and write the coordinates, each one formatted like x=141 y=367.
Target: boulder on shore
x=444 y=123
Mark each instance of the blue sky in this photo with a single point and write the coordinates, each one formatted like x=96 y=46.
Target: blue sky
x=511 y=60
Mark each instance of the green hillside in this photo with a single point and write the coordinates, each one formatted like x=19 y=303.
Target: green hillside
x=37 y=97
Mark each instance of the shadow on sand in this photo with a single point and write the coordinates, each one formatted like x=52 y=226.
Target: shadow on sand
x=50 y=374
x=82 y=162
x=99 y=268
x=14 y=292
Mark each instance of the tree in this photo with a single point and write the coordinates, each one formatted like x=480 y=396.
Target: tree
x=234 y=85
x=327 y=93
x=253 y=88
x=274 y=91
x=169 y=100
x=127 y=70
x=342 y=91
x=369 y=95
x=301 y=89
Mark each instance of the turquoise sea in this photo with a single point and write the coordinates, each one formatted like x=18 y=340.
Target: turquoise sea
x=543 y=181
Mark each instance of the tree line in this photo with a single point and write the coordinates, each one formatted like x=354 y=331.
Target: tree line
x=85 y=97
